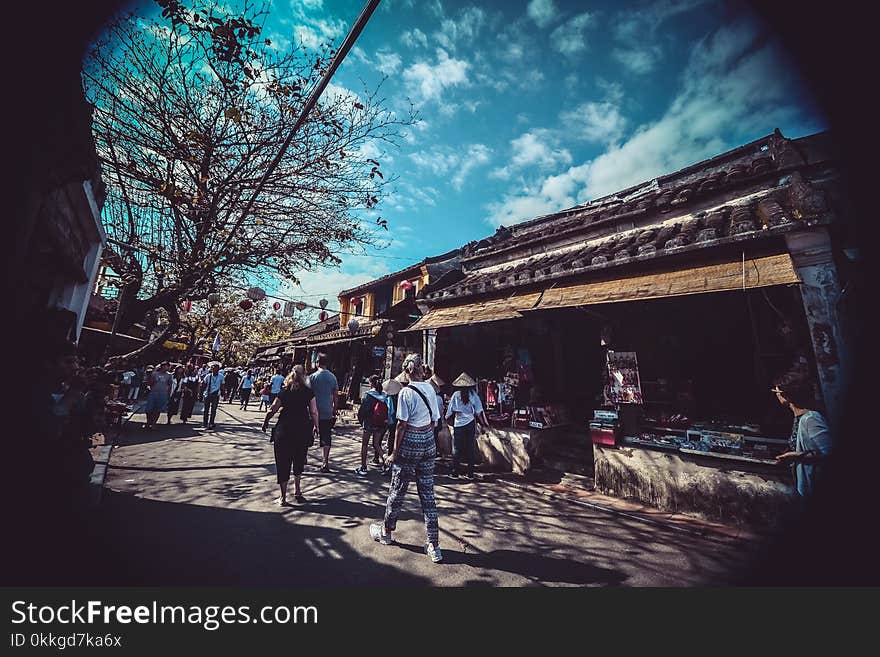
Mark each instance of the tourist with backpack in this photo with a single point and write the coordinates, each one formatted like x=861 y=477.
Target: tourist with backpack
x=373 y=416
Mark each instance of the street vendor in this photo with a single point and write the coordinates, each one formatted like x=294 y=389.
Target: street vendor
x=810 y=443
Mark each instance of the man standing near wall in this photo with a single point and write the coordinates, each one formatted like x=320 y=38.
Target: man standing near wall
x=326 y=389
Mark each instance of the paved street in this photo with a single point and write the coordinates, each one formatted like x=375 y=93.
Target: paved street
x=186 y=506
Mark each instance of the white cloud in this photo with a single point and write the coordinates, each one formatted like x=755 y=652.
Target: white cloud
x=569 y=38
x=538 y=148
x=636 y=32
x=477 y=155
x=543 y=12
x=463 y=29
x=427 y=81
x=413 y=38
x=329 y=282
x=556 y=193
x=638 y=60
x=594 y=122
x=736 y=86
x=388 y=62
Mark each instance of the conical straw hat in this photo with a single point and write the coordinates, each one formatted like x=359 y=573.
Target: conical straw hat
x=403 y=377
x=464 y=380
x=437 y=382
x=391 y=387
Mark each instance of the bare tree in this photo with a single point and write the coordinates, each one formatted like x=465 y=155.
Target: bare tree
x=190 y=109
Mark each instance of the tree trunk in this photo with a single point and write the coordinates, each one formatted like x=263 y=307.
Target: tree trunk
x=154 y=347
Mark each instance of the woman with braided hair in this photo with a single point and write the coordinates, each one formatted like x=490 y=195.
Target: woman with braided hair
x=413 y=457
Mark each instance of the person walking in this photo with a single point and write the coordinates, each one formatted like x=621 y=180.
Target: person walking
x=326 y=388
x=466 y=408
x=126 y=381
x=437 y=383
x=246 y=386
x=231 y=384
x=188 y=393
x=413 y=458
x=136 y=382
x=392 y=389
x=295 y=431
x=811 y=443
x=160 y=391
x=176 y=392
x=213 y=384
x=275 y=385
x=265 y=399
x=373 y=416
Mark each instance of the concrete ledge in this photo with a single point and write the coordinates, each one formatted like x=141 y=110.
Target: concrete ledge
x=723 y=492
x=510 y=450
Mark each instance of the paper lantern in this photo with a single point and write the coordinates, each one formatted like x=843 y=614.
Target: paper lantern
x=300 y=306
x=322 y=316
x=256 y=293
x=276 y=306
x=354 y=300
x=213 y=299
x=186 y=305
x=406 y=285
x=245 y=304
x=323 y=303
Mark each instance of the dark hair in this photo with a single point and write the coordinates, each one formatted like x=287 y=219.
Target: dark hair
x=376 y=382
x=466 y=395
x=798 y=391
x=323 y=360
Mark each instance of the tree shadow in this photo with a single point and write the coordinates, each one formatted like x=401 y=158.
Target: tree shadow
x=132 y=541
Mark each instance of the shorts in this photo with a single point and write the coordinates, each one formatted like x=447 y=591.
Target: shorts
x=324 y=428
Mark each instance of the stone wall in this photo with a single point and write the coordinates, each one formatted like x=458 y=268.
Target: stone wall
x=751 y=495
x=510 y=450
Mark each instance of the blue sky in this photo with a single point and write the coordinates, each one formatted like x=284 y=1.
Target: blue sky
x=528 y=107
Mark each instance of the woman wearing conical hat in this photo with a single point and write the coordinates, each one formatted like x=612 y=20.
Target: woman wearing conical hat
x=467 y=408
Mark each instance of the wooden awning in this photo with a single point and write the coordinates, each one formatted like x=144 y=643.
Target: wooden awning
x=757 y=272
x=473 y=313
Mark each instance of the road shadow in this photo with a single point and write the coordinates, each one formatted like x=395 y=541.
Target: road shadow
x=132 y=541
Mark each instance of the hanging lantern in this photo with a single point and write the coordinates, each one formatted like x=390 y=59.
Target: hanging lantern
x=186 y=305
x=256 y=293
x=353 y=325
x=323 y=303
x=207 y=321
x=322 y=316
x=300 y=306
x=354 y=300
x=406 y=285
x=245 y=304
x=276 y=306
x=213 y=299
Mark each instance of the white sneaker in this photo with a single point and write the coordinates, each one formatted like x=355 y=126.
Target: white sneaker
x=434 y=552
x=378 y=535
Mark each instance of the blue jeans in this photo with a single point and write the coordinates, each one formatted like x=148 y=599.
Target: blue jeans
x=463 y=444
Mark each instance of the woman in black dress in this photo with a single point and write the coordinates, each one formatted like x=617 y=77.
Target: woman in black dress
x=188 y=393
x=294 y=432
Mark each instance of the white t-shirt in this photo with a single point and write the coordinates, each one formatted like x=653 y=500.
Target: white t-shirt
x=465 y=413
x=127 y=377
x=411 y=409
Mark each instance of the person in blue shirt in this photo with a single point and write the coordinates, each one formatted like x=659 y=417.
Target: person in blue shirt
x=373 y=416
x=811 y=442
x=326 y=388
x=213 y=384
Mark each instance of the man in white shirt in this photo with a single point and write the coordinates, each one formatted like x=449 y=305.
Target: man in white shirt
x=213 y=383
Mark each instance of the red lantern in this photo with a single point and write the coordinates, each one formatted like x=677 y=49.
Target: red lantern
x=406 y=285
x=186 y=305
x=322 y=316
x=276 y=306
x=245 y=304
x=354 y=300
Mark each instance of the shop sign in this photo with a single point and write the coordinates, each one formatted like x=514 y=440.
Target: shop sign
x=378 y=352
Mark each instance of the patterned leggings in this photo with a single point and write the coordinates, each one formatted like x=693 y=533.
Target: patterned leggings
x=416 y=462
